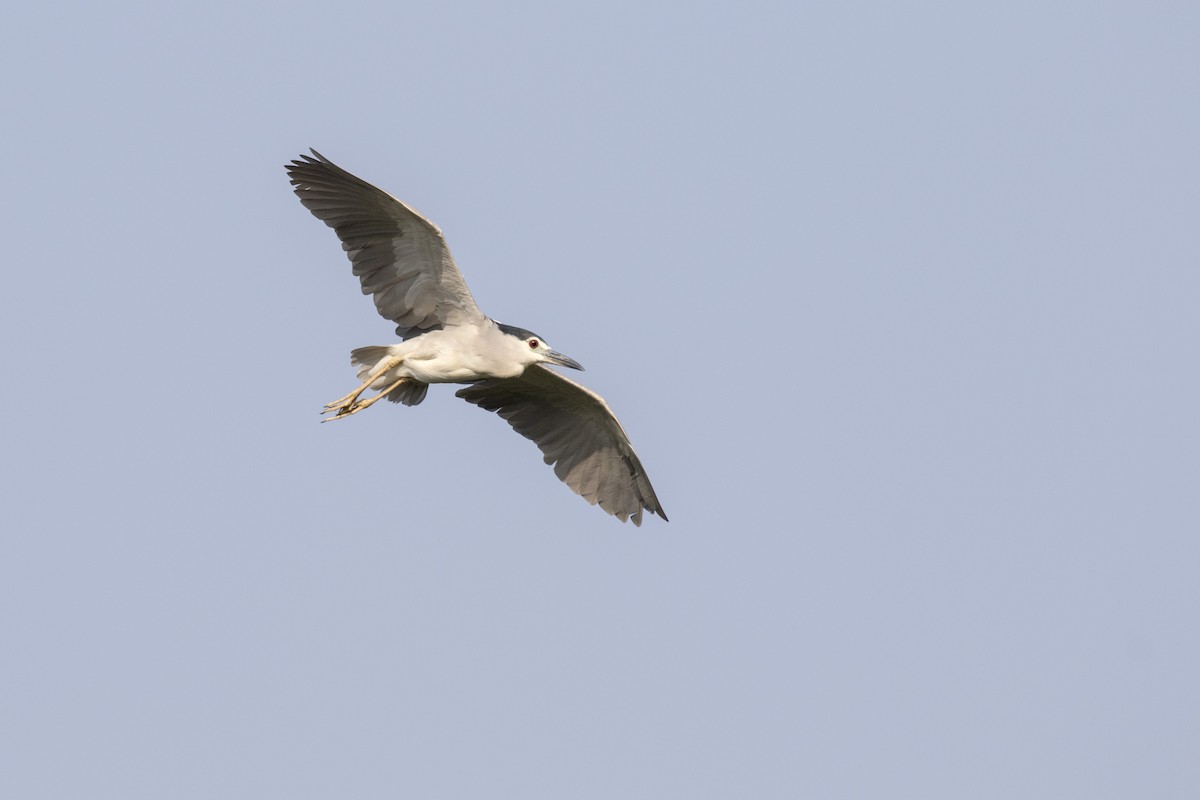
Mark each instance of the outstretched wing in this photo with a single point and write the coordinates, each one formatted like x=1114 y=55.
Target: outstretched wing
x=400 y=257
x=577 y=433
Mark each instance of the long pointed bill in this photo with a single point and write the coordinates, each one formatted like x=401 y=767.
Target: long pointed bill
x=555 y=357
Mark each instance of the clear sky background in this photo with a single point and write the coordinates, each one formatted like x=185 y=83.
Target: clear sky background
x=899 y=305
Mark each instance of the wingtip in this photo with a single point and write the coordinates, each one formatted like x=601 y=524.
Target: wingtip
x=304 y=160
x=636 y=518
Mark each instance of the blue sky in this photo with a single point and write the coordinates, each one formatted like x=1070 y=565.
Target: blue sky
x=898 y=306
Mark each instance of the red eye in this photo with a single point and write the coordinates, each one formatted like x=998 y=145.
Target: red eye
x=533 y=343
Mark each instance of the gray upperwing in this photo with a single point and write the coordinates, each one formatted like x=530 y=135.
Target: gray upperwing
x=400 y=257
x=577 y=433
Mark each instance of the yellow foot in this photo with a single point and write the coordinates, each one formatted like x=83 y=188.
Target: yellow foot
x=344 y=411
x=343 y=402
x=350 y=404
x=345 y=406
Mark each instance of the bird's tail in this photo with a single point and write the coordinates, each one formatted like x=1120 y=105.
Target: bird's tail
x=365 y=360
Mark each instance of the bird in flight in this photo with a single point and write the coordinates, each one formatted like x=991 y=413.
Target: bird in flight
x=402 y=261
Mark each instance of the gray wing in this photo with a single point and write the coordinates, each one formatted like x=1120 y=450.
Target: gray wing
x=577 y=432
x=400 y=257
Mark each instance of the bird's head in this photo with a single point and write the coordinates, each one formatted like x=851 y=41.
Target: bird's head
x=533 y=349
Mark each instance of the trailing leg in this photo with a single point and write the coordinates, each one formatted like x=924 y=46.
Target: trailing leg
x=344 y=406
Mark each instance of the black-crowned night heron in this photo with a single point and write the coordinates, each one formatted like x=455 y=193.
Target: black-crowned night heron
x=402 y=260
